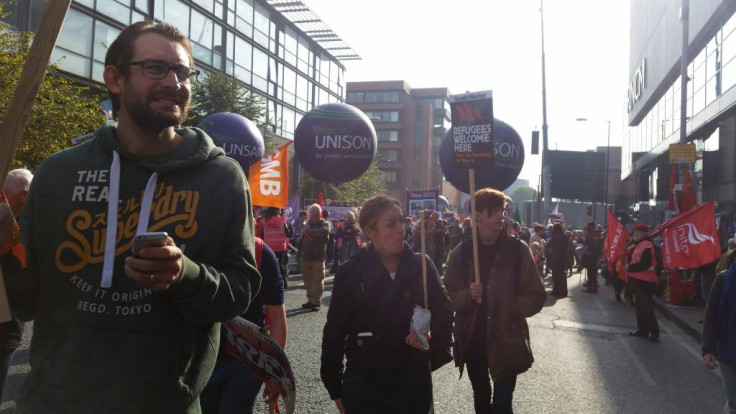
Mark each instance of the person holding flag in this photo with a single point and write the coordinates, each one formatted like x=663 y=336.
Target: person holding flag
x=369 y=324
x=491 y=333
x=616 y=250
x=643 y=281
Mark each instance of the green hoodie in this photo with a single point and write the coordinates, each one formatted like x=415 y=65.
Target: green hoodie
x=126 y=349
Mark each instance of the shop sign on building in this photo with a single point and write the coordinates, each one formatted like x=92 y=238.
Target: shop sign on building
x=636 y=85
x=682 y=153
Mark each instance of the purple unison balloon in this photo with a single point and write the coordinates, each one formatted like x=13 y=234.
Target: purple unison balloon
x=238 y=136
x=335 y=142
x=509 y=159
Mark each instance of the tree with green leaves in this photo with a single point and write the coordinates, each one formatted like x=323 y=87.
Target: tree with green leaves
x=371 y=183
x=63 y=109
x=219 y=92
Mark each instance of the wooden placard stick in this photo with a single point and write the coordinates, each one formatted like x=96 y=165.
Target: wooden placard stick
x=476 y=264
x=24 y=96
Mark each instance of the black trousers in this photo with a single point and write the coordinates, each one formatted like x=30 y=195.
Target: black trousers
x=592 y=270
x=480 y=379
x=360 y=396
x=559 y=279
x=646 y=320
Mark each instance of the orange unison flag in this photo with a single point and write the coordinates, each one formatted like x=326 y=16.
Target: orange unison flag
x=269 y=179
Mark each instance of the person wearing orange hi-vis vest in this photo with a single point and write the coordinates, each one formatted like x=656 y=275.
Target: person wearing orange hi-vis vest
x=643 y=281
x=275 y=232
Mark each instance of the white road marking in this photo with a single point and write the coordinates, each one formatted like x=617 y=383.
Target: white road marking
x=637 y=362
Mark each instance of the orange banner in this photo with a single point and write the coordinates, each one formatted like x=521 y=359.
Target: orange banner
x=269 y=179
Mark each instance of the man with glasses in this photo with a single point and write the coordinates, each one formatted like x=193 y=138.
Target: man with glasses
x=122 y=332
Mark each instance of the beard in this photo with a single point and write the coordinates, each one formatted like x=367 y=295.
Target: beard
x=148 y=117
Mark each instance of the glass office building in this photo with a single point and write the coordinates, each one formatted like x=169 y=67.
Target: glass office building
x=279 y=48
x=654 y=108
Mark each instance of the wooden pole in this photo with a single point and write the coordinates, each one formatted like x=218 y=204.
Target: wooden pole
x=476 y=264
x=424 y=258
x=19 y=111
x=423 y=235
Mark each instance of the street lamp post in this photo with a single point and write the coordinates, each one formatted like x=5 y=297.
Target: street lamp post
x=546 y=190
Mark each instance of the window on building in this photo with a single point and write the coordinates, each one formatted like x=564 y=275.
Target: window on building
x=118 y=10
x=205 y=4
x=244 y=17
x=177 y=13
x=302 y=93
x=384 y=116
x=388 y=135
x=104 y=36
x=243 y=59
x=261 y=24
x=289 y=85
x=389 y=155
x=392 y=178
x=201 y=37
x=260 y=69
x=74 y=45
x=355 y=97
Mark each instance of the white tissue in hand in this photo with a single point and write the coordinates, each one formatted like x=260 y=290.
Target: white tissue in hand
x=420 y=324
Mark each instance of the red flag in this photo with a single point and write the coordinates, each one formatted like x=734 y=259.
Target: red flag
x=617 y=238
x=319 y=199
x=690 y=240
x=687 y=200
x=671 y=205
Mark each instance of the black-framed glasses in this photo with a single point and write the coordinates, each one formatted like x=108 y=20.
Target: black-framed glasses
x=157 y=69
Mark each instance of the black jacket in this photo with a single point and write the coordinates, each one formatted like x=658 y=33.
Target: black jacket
x=369 y=319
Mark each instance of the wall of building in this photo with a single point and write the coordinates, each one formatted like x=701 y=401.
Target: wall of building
x=419 y=126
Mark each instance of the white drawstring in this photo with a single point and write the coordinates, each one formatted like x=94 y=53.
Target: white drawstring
x=112 y=217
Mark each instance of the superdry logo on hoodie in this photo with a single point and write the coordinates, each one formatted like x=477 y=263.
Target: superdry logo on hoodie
x=86 y=243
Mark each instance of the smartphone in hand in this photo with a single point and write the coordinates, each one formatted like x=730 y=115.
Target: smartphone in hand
x=142 y=240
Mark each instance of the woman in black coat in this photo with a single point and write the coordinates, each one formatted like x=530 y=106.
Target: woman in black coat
x=387 y=369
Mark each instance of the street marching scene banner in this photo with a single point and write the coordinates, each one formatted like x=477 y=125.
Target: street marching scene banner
x=616 y=244
x=690 y=240
x=269 y=179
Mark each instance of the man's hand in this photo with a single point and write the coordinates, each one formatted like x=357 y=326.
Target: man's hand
x=6 y=223
x=157 y=267
x=412 y=340
x=710 y=361
x=270 y=394
x=476 y=290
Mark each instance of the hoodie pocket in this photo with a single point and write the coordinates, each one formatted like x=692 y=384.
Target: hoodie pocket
x=95 y=370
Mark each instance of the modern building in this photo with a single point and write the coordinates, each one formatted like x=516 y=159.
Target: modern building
x=410 y=124
x=278 y=48
x=654 y=106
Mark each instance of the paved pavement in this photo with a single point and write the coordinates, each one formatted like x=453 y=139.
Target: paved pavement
x=687 y=318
